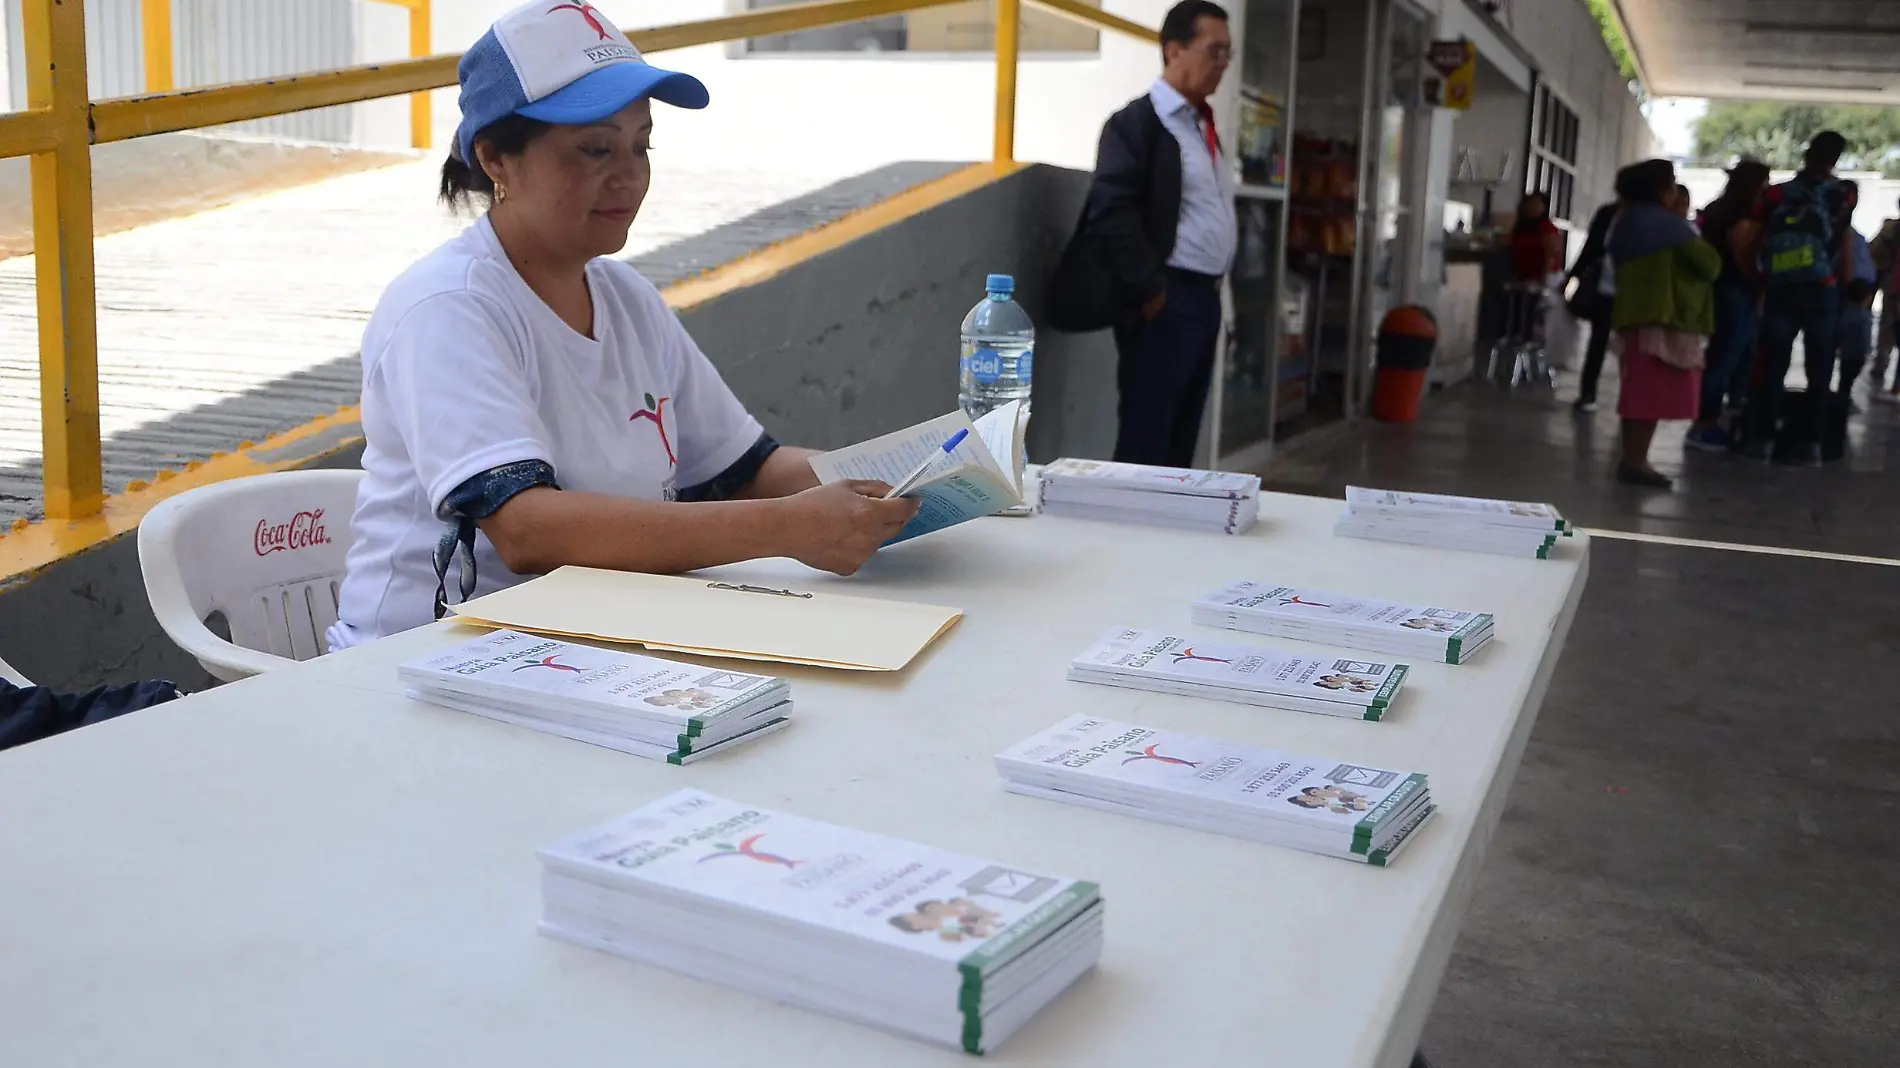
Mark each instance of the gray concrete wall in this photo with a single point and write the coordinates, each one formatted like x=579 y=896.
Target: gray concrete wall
x=852 y=344
x=863 y=340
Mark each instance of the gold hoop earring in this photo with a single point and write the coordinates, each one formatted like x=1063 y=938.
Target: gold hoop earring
x=501 y=193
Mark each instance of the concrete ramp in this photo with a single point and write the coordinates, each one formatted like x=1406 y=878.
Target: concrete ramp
x=224 y=328
x=166 y=176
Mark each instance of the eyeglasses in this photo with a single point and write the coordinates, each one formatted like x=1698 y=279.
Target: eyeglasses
x=1219 y=53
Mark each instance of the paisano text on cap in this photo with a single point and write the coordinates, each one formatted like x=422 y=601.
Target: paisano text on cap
x=563 y=63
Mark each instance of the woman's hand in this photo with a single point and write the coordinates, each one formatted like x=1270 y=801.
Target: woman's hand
x=836 y=528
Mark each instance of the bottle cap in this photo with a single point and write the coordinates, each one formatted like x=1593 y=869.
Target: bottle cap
x=1000 y=283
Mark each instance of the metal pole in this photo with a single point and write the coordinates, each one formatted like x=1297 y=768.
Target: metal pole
x=421 y=119
x=1009 y=16
x=1360 y=276
x=63 y=272
x=155 y=30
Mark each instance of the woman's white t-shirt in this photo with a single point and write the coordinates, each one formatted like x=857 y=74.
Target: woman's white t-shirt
x=466 y=369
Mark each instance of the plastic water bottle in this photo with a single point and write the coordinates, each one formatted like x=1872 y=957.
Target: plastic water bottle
x=998 y=357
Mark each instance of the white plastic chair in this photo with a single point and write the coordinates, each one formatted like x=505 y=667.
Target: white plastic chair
x=266 y=552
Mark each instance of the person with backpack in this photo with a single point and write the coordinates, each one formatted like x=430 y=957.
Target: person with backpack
x=1885 y=249
x=1802 y=252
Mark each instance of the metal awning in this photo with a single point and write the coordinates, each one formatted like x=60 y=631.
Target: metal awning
x=1808 y=50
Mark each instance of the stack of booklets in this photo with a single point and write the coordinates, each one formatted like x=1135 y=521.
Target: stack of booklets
x=1244 y=674
x=1320 y=806
x=1220 y=501
x=934 y=945
x=1445 y=635
x=1480 y=524
x=643 y=705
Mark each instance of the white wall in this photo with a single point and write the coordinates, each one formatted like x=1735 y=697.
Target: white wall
x=849 y=113
x=1493 y=129
x=1568 y=47
x=382 y=34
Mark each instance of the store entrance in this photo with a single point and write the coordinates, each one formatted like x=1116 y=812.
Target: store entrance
x=1352 y=208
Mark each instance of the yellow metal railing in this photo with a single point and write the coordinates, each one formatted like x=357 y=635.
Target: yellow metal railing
x=155 y=30
x=61 y=123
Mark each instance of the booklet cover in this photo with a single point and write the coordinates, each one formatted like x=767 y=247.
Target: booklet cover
x=1504 y=541
x=976 y=479
x=1445 y=507
x=1143 y=478
x=1306 y=608
x=530 y=671
x=1155 y=654
x=1357 y=805
x=910 y=901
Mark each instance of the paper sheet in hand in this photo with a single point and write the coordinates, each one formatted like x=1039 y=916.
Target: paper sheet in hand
x=688 y=614
x=974 y=480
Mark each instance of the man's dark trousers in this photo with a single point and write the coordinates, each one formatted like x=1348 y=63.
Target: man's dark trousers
x=1812 y=311
x=1166 y=365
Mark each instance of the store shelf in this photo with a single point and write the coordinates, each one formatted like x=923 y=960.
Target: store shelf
x=1260 y=192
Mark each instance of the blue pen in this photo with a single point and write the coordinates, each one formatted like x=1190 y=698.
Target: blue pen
x=911 y=480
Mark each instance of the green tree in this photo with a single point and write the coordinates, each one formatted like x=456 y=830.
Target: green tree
x=1613 y=36
x=1776 y=133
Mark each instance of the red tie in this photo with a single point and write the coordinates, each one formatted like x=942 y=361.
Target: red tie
x=1207 y=128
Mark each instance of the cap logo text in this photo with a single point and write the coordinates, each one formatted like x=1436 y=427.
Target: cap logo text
x=608 y=53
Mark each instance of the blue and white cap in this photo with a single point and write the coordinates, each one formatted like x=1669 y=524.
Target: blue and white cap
x=559 y=62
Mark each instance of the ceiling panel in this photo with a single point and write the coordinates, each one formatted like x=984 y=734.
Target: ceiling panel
x=1813 y=50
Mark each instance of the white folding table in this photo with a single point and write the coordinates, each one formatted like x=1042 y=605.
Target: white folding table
x=306 y=868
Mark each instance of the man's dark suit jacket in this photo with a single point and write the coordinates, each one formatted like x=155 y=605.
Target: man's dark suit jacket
x=1117 y=259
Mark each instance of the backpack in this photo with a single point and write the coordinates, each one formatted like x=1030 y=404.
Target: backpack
x=1798 y=236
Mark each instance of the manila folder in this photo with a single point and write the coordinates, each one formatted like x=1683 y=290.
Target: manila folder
x=697 y=615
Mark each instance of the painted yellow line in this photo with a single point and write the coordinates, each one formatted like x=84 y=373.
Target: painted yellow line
x=774 y=260
x=1739 y=547
x=29 y=547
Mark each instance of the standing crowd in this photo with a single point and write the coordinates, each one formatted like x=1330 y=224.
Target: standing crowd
x=1703 y=310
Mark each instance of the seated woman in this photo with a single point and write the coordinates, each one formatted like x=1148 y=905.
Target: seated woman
x=530 y=403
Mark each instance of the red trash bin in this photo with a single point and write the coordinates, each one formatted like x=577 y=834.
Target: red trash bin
x=1406 y=340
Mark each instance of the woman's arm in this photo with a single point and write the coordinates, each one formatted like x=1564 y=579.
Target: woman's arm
x=1700 y=260
x=1744 y=248
x=785 y=472
x=1554 y=250
x=832 y=528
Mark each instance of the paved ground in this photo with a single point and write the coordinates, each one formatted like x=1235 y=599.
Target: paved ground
x=1698 y=863
x=237 y=323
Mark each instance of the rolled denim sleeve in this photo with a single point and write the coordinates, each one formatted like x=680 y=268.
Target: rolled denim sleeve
x=736 y=477
x=481 y=496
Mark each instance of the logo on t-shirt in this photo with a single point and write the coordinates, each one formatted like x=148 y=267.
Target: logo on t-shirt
x=655 y=413
x=302 y=531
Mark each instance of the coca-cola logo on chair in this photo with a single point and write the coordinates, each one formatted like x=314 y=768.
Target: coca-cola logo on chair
x=304 y=530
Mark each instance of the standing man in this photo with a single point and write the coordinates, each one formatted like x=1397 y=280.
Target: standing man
x=1803 y=252
x=1155 y=238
